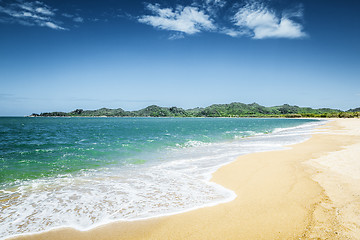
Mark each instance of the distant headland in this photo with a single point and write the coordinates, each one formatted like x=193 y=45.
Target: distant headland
x=216 y=110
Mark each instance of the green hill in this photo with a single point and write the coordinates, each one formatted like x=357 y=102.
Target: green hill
x=354 y=110
x=216 y=110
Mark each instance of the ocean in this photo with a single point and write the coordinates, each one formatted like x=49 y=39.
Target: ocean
x=84 y=172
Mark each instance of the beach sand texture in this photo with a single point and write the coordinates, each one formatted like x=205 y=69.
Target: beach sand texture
x=310 y=190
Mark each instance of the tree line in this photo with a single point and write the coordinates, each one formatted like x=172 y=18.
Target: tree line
x=216 y=110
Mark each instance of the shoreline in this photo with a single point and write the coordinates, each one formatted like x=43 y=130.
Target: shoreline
x=277 y=198
x=231 y=153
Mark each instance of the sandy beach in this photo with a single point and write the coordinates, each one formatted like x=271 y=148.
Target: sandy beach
x=310 y=190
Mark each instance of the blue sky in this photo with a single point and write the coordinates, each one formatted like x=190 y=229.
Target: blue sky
x=63 y=55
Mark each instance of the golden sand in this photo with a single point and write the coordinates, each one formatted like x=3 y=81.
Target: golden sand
x=288 y=194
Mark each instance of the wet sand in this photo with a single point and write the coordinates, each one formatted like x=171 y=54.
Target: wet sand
x=297 y=193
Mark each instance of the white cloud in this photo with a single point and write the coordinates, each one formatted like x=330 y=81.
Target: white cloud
x=36 y=6
x=177 y=35
x=52 y=25
x=26 y=6
x=235 y=33
x=31 y=13
x=189 y=20
x=264 y=23
x=44 y=11
x=78 y=19
x=253 y=20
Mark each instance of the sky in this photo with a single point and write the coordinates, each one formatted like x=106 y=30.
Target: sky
x=60 y=55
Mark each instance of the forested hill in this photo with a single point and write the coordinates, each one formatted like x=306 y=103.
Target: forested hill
x=215 y=110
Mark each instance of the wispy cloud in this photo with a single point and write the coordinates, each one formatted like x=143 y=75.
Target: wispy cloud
x=52 y=25
x=9 y=97
x=261 y=22
x=78 y=19
x=34 y=13
x=4 y=96
x=253 y=19
x=67 y=15
x=176 y=35
x=234 y=32
x=215 y=3
x=44 y=11
x=189 y=19
x=213 y=6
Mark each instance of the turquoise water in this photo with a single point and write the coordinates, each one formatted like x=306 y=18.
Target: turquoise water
x=87 y=171
x=33 y=148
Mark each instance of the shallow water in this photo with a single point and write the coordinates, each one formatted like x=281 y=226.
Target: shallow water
x=82 y=172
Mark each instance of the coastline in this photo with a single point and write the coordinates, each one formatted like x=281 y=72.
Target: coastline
x=277 y=199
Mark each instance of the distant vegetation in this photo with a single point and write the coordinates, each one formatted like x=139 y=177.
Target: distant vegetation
x=215 y=110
